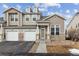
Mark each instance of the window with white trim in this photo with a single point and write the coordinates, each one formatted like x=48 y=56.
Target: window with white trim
x=52 y=30
x=13 y=16
x=55 y=30
x=27 y=19
x=34 y=19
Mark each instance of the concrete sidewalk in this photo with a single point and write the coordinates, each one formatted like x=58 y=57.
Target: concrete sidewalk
x=41 y=48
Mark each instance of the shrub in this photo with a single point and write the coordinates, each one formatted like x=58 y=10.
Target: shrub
x=73 y=34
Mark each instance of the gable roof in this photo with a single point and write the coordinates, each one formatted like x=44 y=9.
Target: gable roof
x=11 y=9
x=53 y=16
x=72 y=19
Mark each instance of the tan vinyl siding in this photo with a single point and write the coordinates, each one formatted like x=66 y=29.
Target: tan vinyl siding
x=55 y=20
x=19 y=17
x=30 y=21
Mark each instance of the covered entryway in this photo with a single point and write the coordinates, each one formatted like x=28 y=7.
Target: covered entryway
x=12 y=36
x=29 y=36
x=43 y=31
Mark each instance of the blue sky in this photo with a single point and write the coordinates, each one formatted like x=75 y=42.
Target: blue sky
x=66 y=10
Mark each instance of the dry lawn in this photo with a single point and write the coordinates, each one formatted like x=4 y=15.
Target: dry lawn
x=61 y=47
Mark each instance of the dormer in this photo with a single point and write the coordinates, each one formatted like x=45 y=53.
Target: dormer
x=28 y=10
x=35 y=10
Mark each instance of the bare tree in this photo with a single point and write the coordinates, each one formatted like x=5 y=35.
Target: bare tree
x=76 y=35
x=71 y=34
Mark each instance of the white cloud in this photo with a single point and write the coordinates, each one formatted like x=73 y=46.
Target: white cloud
x=18 y=7
x=61 y=10
x=37 y=4
x=45 y=5
x=58 y=13
x=54 y=4
x=68 y=16
x=5 y=6
x=75 y=10
x=50 y=13
x=67 y=11
x=76 y=3
x=42 y=9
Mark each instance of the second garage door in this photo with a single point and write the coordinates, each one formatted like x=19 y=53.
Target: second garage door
x=29 y=36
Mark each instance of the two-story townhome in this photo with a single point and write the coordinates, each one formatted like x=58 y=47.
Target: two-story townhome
x=32 y=26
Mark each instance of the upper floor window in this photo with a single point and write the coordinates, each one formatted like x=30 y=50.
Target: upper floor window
x=27 y=19
x=12 y=19
x=13 y=16
x=34 y=19
x=16 y=19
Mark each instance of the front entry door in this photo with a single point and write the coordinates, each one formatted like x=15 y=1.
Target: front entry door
x=42 y=34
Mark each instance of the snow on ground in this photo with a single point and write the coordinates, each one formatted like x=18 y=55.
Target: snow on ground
x=74 y=51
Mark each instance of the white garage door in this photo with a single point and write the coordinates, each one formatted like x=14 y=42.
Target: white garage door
x=12 y=36
x=29 y=36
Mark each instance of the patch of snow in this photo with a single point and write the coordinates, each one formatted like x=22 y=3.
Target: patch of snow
x=74 y=51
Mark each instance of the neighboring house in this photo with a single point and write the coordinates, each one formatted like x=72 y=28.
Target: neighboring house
x=32 y=26
x=1 y=28
x=74 y=24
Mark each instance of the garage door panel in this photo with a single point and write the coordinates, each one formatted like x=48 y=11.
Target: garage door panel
x=12 y=36
x=29 y=36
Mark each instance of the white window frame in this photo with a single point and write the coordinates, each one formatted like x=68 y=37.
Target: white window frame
x=35 y=18
x=13 y=16
x=54 y=26
x=27 y=17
